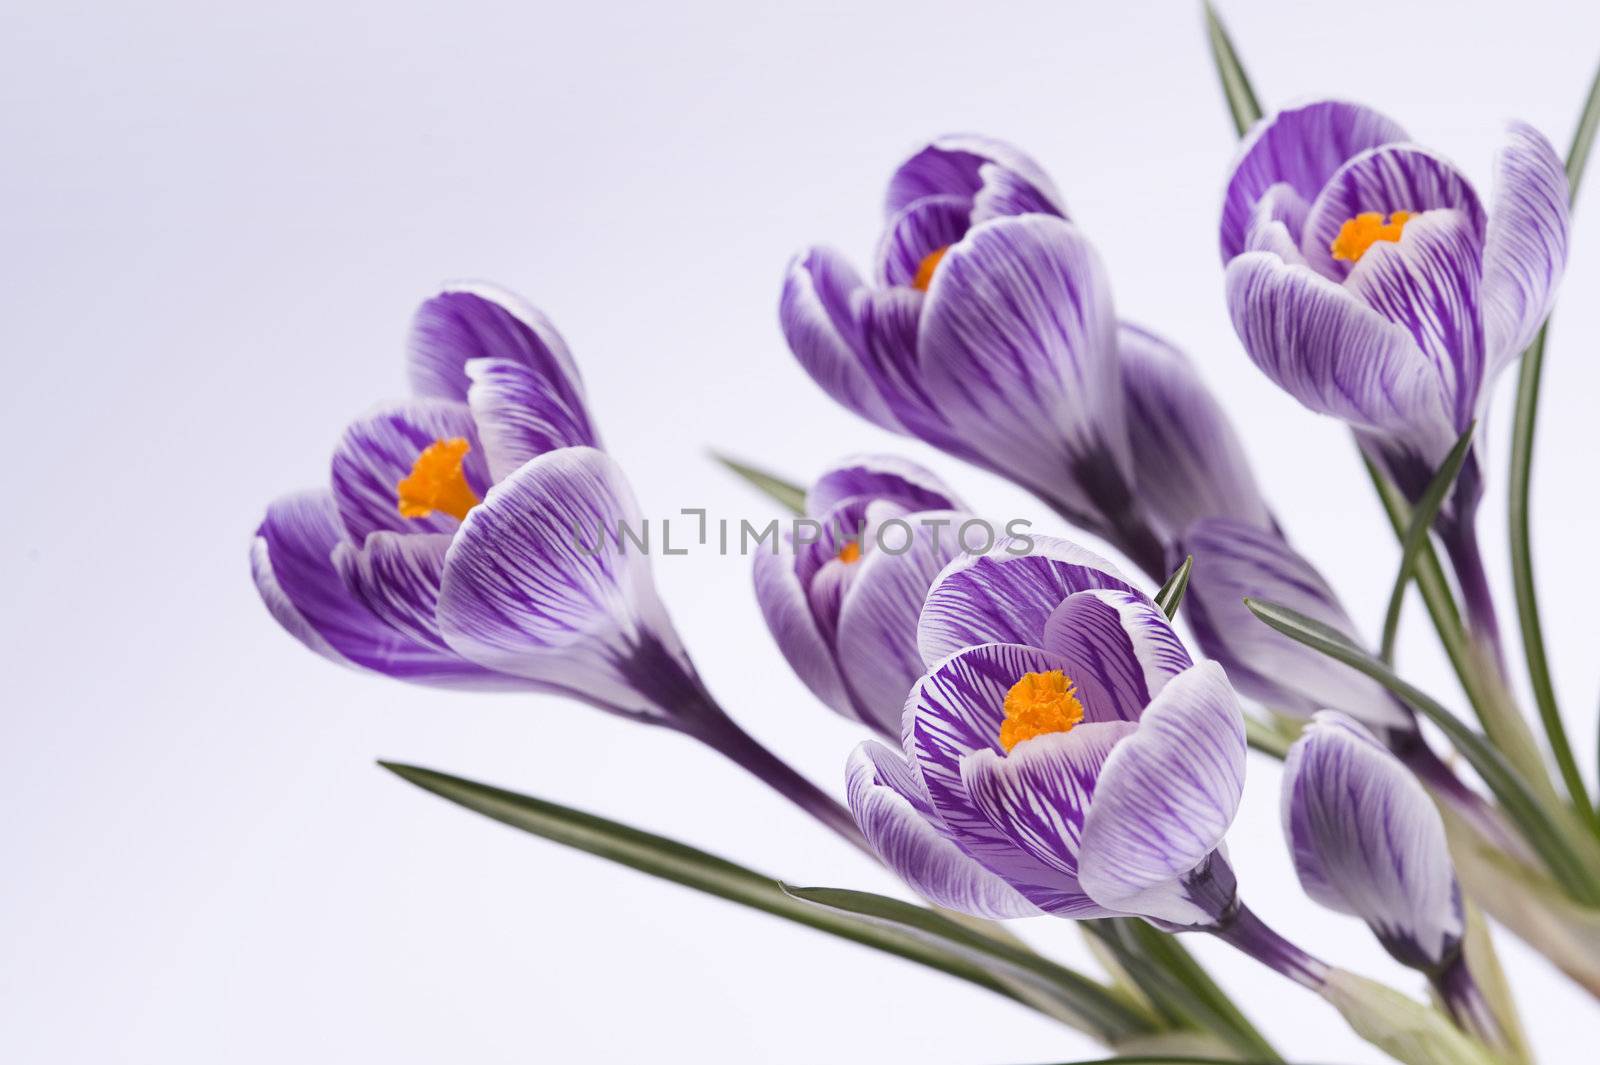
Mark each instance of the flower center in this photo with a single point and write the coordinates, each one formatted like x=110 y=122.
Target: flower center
x=850 y=552
x=436 y=482
x=1038 y=704
x=1365 y=230
x=925 y=269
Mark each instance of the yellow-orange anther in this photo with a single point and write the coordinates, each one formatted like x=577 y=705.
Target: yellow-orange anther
x=850 y=552
x=1365 y=230
x=925 y=269
x=1037 y=704
x=436 y=482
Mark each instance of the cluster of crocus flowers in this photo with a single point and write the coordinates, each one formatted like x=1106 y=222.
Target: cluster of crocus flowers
x=842 y=599
x=473 y=536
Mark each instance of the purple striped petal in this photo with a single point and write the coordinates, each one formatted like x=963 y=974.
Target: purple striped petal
x=1300 y=147
x=1008 y=594
x=954 y=165
x=377 y=452
x=1427 y=282
x=918 y=231
x=818 y=312
x=1017 y=342
x=783 y=604
x=1040 y=794
x=1330 y=350
x=1394 y=177
x=955 y=710
x=1525 y=250
x=1118 y=648
x=1190 y=463
x=879 y=477
x=1232 y=561
x=292 y=562
x=877 y=635
x=473 y=320
x=397 y=577
x=1005 y=192
x=1276 y=223
x=539 y=584
x=1165 y=799
x=882 y=792
x=1368 y=841
x=518 y=418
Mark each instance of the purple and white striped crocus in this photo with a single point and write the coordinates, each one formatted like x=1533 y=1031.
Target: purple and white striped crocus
x=842 y=601
x=989 y=321
x=470 y=537
x=1063 y=754
x=1366 y=278
x=1367 y=841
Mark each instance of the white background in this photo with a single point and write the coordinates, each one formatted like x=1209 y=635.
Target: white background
x=213 y=228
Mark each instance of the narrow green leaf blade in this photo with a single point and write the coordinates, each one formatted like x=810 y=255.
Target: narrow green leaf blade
x=1170 y=597
x=1416 y=533
x=1543 y=834
x=1583 y=138
x=694 y=868
x=1236 y=87
x=775 y=488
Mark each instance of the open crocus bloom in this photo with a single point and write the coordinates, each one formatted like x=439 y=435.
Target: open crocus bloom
x=843 y=603
x=1366 y=278
x=990 y=321
x=456 y=542
x=1061 y=754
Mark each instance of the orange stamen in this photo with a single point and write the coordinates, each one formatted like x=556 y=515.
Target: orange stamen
x=437 y=482
x=925 y=269
x=1365 y=230
x=1039 y=704
x=850 y=552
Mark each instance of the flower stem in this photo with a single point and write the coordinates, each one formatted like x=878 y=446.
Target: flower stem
x=1247 y=932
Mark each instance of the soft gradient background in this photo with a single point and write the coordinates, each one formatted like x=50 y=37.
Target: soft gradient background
x=214 y=224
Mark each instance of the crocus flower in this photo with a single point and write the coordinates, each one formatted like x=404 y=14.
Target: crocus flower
x=1062 y=740
x=1366 y=278
x=988 y=331
x=842 y=600
x=1367 y=841
x=473 y=537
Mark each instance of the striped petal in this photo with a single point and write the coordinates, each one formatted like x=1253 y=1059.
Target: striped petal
x=1301 y=147
x=1165 y=799
x=540 y=583
x=919 y=230
x=877 y=634
x=1007 y=594
x=879 y=477
x=1525 y=250
x=783 y=602
x=397 y=577
x=291 y=559
x=1017 y=342
x=1039 y=795
x=1189 y=460
x=1331 y=350
x=1382 y=180
x=955 y=710
x=1368 y=841
x=474 y=320
x=377 y=452
x=519 y=417
x=1233 y=560
x=1118 y=648
x=899 y=825
x=964 y=165
x=818 y=312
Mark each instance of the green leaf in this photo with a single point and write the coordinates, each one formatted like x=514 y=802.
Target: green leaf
x=777 y=489
x=1087 y=997
x=1176 y=983
x=1520 y=487
x=1416 y=533
x=1170 y=597
x=1241 y=97
x=670 y=860
x=1570 y=868
x=1266 y=739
